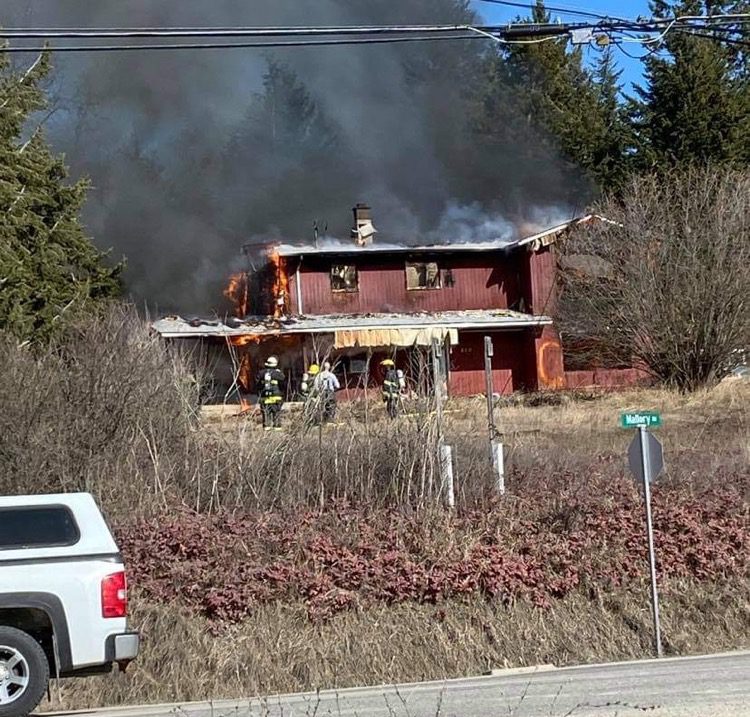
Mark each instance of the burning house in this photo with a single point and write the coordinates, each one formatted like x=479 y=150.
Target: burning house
x=358 y=301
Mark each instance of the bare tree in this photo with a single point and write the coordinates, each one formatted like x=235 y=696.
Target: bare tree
x=665 y=283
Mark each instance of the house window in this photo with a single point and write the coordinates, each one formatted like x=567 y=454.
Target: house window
x=422 y=275
x=344 y=278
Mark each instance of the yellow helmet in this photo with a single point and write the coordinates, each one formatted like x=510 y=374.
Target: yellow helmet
x=387 y=362
x=313 y=369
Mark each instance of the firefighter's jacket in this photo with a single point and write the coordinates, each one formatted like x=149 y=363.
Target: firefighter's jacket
x=270 y=382
x=391 y=384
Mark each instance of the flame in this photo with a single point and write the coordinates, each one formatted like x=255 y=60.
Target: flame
x=245 y=369
x=237 y=292
x=280 y=290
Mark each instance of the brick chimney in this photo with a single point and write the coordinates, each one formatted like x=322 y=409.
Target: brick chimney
x=363 y=231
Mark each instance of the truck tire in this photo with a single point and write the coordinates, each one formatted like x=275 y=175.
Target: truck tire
x=24 y=672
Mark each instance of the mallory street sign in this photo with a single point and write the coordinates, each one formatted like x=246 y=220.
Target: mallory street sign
x=638 y=419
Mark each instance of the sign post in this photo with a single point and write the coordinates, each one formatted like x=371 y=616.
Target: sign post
x=646 y=462
x=488 y=354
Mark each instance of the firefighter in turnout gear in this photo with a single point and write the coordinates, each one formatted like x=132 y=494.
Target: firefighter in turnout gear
x=270 y=383
x=393 y=385
x=309 y=391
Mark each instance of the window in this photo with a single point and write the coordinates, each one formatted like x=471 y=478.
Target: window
x=422 y=275
x=344 y=278
x=37 y=526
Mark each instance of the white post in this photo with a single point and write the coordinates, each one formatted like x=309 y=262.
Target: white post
x=446 y=469
x=646 y=467
x=498 y=463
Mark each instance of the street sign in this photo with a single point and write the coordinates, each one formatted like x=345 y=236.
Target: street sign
x=655 y=457
x=646 y=460
x=636 y=419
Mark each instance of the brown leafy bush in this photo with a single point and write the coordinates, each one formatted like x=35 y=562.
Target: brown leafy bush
x=225 y=566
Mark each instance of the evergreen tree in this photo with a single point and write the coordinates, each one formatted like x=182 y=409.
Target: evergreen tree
x=49 y=270
x=544 y=91
x=612 y=138
x=694 y=105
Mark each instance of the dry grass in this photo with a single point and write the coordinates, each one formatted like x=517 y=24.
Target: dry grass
x=280 y=650
x=114 y=410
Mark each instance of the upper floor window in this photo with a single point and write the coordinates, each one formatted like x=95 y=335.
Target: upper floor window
x=422 y=275
x=344 y=278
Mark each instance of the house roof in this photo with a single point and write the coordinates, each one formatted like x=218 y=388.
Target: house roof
x=337 y=246
x=177 y=327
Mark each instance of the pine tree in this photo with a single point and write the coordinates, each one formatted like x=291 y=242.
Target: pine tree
x=544 y=91
x=611 y=139
x=693 y=107
x=49 y=270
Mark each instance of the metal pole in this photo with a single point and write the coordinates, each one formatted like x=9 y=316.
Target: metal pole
x=488 y=352
x=646 y=465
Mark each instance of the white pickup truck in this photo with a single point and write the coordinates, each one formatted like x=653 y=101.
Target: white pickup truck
x=63 y=596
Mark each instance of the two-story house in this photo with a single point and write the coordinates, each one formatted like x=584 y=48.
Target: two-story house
x=360 y=301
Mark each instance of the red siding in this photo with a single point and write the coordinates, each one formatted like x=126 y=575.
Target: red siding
x=549 y=360
x=509 y=367
x=480 y=281
x=542 y=294
x=606 y=378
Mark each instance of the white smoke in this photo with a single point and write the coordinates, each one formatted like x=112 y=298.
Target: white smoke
x=464 y=223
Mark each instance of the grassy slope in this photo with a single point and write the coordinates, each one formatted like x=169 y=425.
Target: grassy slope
x=706 y=436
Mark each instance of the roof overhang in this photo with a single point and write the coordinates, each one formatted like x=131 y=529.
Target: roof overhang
x=338 y=248
x=173 y=327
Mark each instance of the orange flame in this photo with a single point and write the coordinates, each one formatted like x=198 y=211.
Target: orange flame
x=237 y=292
x=245 y=369
x=280 y=290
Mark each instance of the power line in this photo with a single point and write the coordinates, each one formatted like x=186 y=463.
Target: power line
x=275 y=37
x=726 y=40
x=181 y=32
x=236 y=45
x=564 y=11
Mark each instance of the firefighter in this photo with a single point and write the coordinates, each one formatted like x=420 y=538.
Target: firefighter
x=309 y=392
x=307 y=386
x=326 y=385
x=393 y=384
x=270 y=382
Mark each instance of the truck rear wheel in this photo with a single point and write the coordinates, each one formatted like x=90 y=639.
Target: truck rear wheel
x=24 y=672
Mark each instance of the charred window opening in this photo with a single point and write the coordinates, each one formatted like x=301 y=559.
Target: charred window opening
x=422 y=275
x=344 y=277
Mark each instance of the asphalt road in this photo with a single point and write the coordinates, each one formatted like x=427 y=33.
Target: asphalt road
x=713 y=686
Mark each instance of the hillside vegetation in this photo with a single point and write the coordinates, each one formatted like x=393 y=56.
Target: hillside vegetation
x=316 y=559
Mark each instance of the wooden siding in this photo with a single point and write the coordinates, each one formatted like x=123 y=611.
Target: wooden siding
x=511 y=370
x=606 y=378
x=480 y=281
x=541 y=281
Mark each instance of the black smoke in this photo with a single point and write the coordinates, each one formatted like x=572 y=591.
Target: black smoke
x=191 y=154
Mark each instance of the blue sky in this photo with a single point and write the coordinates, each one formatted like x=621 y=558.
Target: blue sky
x=630 y=9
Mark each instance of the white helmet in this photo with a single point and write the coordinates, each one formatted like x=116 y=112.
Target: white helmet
x=272 y=362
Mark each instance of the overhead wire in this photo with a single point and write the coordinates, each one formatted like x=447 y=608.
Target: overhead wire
x=296 y=36
x=234 y=45
x=565 y=11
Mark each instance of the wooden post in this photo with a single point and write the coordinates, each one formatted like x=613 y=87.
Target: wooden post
x=437 y=378
x=488 y=354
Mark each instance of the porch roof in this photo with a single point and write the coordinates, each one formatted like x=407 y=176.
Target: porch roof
x=178 y=327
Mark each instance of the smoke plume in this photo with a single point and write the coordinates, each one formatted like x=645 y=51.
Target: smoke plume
x=192 y=153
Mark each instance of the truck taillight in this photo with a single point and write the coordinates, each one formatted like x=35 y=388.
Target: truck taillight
x=115 y=595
